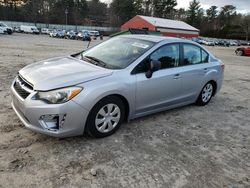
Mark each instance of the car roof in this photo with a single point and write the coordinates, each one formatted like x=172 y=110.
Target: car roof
x=155 y=38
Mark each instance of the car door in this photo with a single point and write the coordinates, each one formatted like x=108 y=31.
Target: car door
x=195 y=67
x=247 y=51
x=163 y=88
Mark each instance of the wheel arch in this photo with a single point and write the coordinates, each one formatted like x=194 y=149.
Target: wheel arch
x=241 y=49
x=125 y=102
x=214 y=83
x=123 y=99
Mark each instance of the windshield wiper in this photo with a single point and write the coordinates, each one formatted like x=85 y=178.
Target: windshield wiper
x=86 y=59
x=97 y=61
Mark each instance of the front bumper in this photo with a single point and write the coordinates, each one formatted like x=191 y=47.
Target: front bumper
x=71 y=121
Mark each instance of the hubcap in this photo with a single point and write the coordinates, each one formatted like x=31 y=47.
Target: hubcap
x=207 y=92
x=107 y=118
x=240 y=53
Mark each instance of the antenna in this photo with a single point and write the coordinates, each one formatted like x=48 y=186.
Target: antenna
x=89 y=43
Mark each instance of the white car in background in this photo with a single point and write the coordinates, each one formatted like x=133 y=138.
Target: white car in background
x=94 y=33
x=5 y=29
x=53 y=33
x=46 y=31
x=1 y=31
x=29 y=29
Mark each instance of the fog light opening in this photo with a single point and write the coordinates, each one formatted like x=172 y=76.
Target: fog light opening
x=50 y=122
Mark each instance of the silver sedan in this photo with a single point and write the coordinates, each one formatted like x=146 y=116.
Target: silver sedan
x=123 y=78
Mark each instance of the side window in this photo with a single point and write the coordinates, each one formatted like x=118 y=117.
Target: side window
x=191 y=54
x=168 y=55
x=204 y=56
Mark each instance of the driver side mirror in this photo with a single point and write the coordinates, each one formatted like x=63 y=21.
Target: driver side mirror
x=154 y=65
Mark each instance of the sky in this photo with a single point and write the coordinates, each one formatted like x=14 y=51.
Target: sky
x=243 y=6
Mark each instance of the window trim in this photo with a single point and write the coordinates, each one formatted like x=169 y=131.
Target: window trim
x=134 y=71
x=181 y=56
x=207 y=55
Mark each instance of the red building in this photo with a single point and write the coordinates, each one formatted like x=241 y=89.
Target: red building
x=167 y=27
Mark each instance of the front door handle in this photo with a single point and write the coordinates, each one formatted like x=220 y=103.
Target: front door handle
x=205 y=70
x=177 y=76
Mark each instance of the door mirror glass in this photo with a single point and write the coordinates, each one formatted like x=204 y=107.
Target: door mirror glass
x=155 y=65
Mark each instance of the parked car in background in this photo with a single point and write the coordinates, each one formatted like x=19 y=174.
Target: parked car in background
x=43 y=30
x=86 y=37
x=53 y=33
x=80 y=34
x=243 y=43
x=233 y=43
x=29 y=29
x=83 y=35
x=224 y=43
x=5 y=28
x=1 y=31
x=61 y=34
x=198 y=40
x=70 y=35
x=94 y=33
x=17 y=30
x=46 y=31
x=243 y=51
x=123 y=78
x=209 y=43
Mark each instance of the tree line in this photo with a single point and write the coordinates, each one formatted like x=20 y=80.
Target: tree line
x=221 y=22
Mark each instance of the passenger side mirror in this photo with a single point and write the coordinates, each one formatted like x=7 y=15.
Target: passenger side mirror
x=154 y=65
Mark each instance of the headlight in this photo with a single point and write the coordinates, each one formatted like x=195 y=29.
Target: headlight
x=58 y=96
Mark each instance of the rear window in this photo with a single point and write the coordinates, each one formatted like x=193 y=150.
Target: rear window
x=193 y=54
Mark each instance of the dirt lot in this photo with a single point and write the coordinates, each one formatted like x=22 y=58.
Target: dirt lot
x=195 y=147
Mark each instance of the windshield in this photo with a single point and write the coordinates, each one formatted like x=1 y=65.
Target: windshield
x=118 y=53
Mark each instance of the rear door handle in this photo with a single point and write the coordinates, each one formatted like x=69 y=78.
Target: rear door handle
x=177 y=76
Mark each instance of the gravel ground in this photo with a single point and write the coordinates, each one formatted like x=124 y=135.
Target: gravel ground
x=194 y=147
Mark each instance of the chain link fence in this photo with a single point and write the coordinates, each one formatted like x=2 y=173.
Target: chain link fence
x=108 y=30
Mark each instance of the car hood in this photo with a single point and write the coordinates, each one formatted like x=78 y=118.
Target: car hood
x=61 y=72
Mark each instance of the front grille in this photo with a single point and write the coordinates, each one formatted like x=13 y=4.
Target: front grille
x=22 y=87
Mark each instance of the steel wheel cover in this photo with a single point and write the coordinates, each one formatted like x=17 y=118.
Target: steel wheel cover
x=207 y=92
x=107 y=118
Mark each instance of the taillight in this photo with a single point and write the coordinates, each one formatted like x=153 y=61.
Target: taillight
x=222 y=67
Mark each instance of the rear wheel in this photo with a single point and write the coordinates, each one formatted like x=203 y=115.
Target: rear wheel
x=105 y=117
x=239 y=53
x=206 y=94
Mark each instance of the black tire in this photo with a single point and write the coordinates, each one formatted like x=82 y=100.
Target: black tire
x=91 y=128
x=200 y=101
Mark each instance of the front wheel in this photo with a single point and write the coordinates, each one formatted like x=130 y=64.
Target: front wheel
x=105 y=117
x=206 y=94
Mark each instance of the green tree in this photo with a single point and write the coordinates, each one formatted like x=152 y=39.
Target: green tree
x=181 y=14
x=195 y=13
x=97 y=12
x=164 y=8
x=122 y=11
x=245 y=24
x=226 y=14
x=212 y=13
x=77 y=10
x=147 y=4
